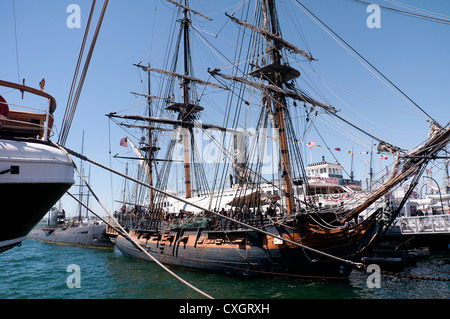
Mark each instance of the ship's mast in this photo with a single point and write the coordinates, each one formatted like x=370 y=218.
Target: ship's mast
x=447 y=180
x=150 y=145
x=270 y=23
x=81 y=187
x=184 y=107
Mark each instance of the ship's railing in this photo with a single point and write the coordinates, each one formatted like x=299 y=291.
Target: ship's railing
x=145 y=224
x=24 y=121
x=423 y=224
x=140 y=223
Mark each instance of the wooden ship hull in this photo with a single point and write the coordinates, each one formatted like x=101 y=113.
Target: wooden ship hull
x=249 y=252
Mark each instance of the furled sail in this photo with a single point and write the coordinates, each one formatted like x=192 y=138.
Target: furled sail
x=179 y=75
x=274 y=37
x=255 y=199
x=262 y=86
x=384 y=147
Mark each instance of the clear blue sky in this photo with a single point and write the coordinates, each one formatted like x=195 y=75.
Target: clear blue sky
x=412 y=52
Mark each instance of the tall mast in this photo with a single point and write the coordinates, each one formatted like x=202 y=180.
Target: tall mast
x=150 y=144
x=81 y=187
x=184 y=108
x=351 y=167
x=447 y=180
x=270 y=25
x=370 y=170
x=124 y=185
x=87 y=195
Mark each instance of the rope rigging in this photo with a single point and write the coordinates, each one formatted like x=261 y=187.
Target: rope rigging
x=298 y=166
x=272 y=103
x=16 y=41
x=73 y=98
x=416 y=15
x=365 y=60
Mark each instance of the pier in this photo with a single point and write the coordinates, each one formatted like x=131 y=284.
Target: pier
x=418 y=225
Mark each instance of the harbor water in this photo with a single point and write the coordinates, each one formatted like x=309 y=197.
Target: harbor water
x=38 y=270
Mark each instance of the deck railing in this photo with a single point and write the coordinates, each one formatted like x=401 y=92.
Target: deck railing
x=423 y=224
x=24 y=121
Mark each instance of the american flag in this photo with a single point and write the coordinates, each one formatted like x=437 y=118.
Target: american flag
x=124 y=142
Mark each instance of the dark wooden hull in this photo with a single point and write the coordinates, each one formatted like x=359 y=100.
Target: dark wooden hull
x=247 y=252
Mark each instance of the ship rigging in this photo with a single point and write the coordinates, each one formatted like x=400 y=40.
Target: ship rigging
x=287 y=233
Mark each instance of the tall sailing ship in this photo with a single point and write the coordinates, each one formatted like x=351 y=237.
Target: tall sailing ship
x=34 y=171
x=242 y=221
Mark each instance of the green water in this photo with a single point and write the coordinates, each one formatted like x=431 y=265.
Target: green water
x=38 y=270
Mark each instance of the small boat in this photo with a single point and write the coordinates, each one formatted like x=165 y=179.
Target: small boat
x=34 y=171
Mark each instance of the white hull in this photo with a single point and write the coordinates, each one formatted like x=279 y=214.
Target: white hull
x=38 y=162
x=33 y=177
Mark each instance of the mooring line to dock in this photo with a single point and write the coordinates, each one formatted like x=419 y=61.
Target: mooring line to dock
x=82 y=157
x=126 y=235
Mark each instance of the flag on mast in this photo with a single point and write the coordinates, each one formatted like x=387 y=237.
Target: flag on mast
x=124 y=142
